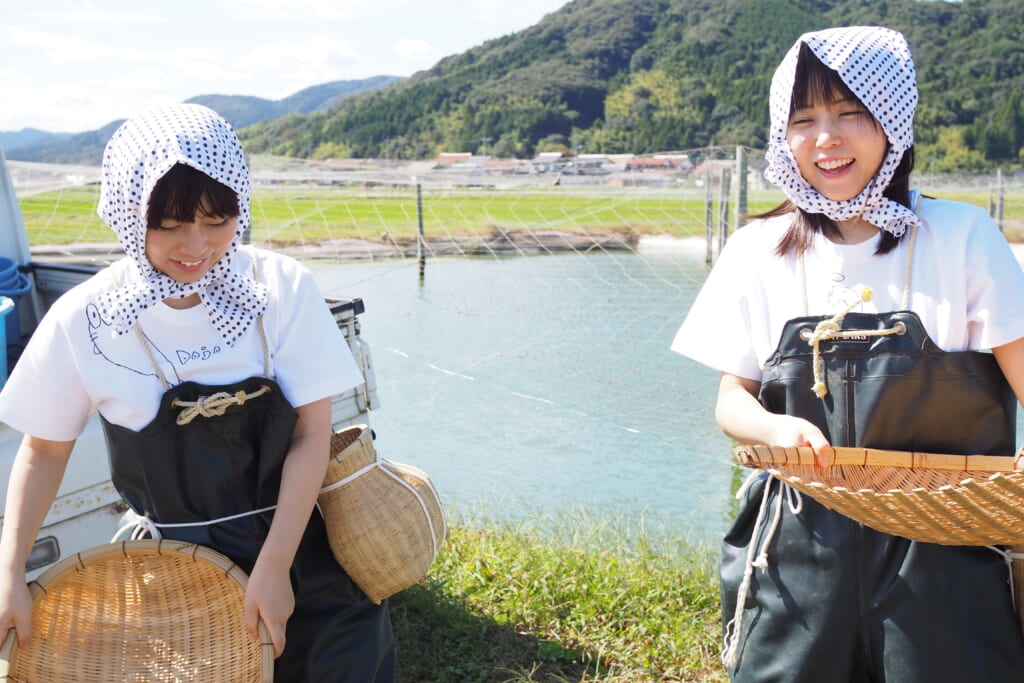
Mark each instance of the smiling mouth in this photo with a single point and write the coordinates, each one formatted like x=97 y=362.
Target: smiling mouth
x=833 y=164
x=190 y=264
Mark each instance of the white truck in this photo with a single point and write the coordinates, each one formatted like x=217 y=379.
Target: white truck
x=87 y=511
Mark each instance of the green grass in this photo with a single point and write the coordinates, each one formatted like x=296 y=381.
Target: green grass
x=297 y=215
x=576 y=599
x=309 y=215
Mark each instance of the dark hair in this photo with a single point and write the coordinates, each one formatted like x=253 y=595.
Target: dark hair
x=814 y=82
x=185 y=191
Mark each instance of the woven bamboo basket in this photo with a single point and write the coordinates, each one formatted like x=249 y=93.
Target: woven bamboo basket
x=934 y=498
x=145 y=610
x=385 y=523
x=930 y=497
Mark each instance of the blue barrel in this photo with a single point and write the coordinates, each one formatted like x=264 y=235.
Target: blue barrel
x=6 y=311
x=13 y=284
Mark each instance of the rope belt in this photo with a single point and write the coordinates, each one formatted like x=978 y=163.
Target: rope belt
x=213 y=405
x=832 y=329
x=144 y=527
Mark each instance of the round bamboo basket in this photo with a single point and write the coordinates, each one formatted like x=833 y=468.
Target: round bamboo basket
x=384 y=520
x=145 y=610
x=975 y=500
x=928 y=497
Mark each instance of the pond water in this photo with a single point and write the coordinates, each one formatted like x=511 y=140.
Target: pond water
x=537 y=385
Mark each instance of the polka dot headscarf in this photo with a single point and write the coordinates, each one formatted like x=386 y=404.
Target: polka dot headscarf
x=140 y=152
x=875 y=64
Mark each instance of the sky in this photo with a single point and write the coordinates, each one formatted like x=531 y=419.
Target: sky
x=69 y=67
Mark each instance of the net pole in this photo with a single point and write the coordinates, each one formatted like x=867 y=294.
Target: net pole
x=741 y=187
x=723 y=209
x=709 y=216
x=421 y=253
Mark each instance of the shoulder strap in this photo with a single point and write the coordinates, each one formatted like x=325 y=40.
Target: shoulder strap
x=267 y=370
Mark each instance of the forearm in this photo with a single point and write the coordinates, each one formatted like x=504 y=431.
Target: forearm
x=742 y=417
x=1011 y=361
x=35 y=479
x=738 y=412
x=301 y=480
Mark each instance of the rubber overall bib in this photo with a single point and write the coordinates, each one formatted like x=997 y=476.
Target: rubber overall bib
x=182 y=476
x=837 y=601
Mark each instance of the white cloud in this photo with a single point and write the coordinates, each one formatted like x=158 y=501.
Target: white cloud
x=74 y=65
x=318 y=59
x=140 y=80
x=90 y=14
x=295 y=10
x=60 y=48
x=416 y=49
x=61 y=106
x=63 y=50
x=511 y=14
x=10 y=75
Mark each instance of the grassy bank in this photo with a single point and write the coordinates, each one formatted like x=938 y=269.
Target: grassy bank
x=571 y=600
x=294 y=215
x=303 y=215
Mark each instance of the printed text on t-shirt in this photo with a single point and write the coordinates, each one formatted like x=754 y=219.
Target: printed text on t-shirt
x=204 y=353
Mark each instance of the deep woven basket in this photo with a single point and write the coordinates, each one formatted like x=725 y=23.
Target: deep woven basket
x=385 y=523
x=934 y=498
x=146 y=610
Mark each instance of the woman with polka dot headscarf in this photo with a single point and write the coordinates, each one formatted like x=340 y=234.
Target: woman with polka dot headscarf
x=212 y=366
x=919 y=287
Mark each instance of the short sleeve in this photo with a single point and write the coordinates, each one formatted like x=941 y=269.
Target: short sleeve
x=44 y=395
x=719 y=329
x=995 y=286
x=311 y=357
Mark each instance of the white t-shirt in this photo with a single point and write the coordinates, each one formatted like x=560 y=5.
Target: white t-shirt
x=966 y=286
x=73 y=365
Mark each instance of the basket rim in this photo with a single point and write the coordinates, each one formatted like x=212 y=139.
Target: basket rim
x=933 y=498
x=760 y=455
x=134 y=548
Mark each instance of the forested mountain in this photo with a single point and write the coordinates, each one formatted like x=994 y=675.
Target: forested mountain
x=27 y=136
x=654 y=75
x=239 y=110
x=62 y=148
x=242 y=111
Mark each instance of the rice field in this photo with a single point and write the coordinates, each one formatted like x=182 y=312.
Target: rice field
x=302 y=215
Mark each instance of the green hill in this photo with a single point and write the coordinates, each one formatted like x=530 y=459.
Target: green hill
x=650 y=75
x=242 y=110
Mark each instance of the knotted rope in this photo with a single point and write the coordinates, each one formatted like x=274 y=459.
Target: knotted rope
x=831 y=328
x=142 y=526
x=213 y=405
x=733 y=629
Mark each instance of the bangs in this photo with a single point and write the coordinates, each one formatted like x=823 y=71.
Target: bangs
x=184 y=192
x=815 y=83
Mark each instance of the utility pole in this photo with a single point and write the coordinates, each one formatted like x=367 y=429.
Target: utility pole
x=709 y=217
x=421 y=253
x=741 y=186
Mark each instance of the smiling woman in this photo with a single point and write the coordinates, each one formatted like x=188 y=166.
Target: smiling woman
x=118 y=344
x=838 y=146
x=192 y=221
x=815 y=316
